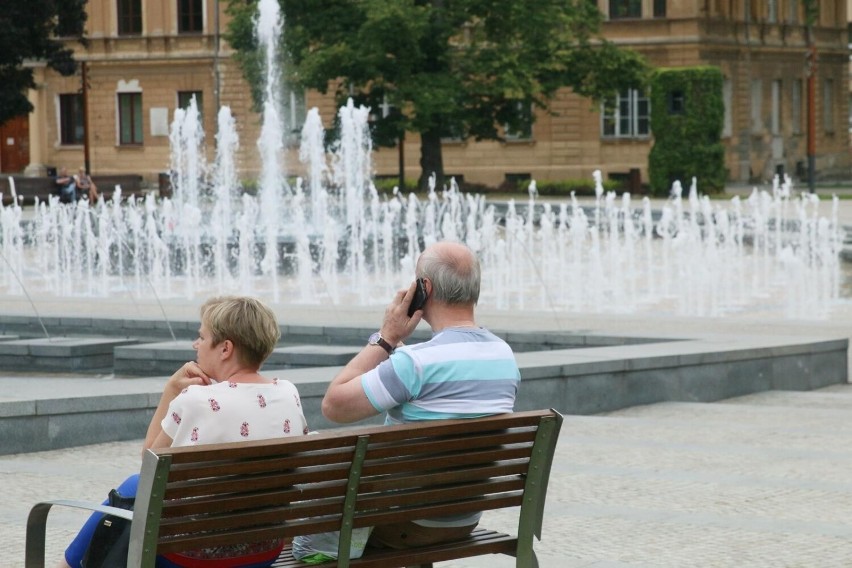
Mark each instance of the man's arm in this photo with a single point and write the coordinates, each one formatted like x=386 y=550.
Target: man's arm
x=345 y=400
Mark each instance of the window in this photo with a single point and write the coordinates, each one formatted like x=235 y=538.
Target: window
x=793 y=11
x=129 y=17
x=776 y=107
x=756 y=106
x=828 y=105
x=625 y=9
x=676 y=101
x=295 y=113
x=626 y=116
x=190 y=16
x=129 y=118
x=523 y=128
x=772 y=11
x=659 y=8
x=71 y=119
x=184 y=98
x=796 y=107
x=728 y=100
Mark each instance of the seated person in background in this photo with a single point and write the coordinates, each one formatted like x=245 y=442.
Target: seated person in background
x=85 y=186
x=66 y=187
x=220 y=397
x=464 y=371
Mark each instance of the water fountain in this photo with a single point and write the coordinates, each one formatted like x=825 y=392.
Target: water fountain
x=331 y=238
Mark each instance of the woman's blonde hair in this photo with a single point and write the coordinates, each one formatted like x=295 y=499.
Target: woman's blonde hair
x=249 y=323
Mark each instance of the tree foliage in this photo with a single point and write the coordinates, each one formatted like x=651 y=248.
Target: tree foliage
x=29 y=32
x=458 y=68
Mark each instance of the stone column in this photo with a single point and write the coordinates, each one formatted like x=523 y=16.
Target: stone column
x=38 y=125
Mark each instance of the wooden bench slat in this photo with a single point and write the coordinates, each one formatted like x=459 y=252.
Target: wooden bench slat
x=219 y=503
x=245 y=467
x=401 y=481
x=474 y=505
x=436 y=464
x=237 y=484
x=453 y=493
x=450 y=444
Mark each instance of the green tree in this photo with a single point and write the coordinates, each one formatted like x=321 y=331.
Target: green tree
x=457 y=68
x=32 y=31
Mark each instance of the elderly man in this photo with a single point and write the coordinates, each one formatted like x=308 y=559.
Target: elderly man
x=464 y=371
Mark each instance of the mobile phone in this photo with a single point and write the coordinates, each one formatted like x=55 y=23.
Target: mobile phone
x=419 y=299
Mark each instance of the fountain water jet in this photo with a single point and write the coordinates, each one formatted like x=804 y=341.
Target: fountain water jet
x=332 y=238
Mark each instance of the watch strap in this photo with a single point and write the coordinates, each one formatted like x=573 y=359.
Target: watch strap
x=377 y=339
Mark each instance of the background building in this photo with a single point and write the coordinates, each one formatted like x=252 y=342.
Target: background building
x=146 y=58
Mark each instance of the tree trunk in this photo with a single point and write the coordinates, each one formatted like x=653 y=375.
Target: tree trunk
x=431 y=160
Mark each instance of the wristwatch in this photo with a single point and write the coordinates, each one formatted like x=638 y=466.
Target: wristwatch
x=377 y=339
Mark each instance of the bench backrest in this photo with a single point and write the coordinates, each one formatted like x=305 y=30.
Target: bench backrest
x=195 y=497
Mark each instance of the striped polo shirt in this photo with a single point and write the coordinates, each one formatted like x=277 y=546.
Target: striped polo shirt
x=459 y=373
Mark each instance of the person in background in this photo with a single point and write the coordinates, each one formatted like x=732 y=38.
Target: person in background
x=220 y=397
x=85 y=186
x=66 y=187
x=464 y=371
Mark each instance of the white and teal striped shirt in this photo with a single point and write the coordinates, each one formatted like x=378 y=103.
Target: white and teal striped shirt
x=459 y=373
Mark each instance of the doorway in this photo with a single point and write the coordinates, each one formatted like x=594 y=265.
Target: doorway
x=15 y=144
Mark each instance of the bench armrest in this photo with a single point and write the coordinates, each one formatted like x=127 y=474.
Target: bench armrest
x=37 y=523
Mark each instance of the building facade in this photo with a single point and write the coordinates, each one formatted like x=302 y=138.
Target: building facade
x=146 y=58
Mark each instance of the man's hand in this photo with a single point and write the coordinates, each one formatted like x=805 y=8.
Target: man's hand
x=345 y=400
x=397 y=326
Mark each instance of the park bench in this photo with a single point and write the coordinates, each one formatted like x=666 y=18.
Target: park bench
x=28 y=189
x=195 y=497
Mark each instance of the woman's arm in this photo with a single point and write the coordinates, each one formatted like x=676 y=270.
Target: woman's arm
x=188 y=375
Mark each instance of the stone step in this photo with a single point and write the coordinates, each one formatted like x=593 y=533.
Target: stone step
x=163 y=358
x=60 y=354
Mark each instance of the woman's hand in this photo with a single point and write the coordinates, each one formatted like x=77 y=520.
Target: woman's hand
x=188 y=375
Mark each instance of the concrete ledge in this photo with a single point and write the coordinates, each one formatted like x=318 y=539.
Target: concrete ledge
x=574 y=381
x=66 y=354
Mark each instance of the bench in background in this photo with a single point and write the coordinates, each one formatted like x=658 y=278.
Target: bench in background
x=196 y=497
x=30 y=188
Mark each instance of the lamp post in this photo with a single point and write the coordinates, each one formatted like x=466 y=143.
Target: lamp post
x=84 y=67
x=811 y=69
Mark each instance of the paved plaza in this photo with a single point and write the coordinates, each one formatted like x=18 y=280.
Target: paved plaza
x=756 y=481
x=753 y=481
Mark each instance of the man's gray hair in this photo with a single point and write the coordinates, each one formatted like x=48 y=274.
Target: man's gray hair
x=455 y=275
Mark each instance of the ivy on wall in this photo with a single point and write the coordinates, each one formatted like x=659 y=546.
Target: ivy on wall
x=687 y=117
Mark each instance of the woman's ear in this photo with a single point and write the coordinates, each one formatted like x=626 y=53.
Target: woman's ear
x=226 y=349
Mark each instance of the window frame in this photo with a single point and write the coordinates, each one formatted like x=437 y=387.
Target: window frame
x=625 y=9
x=796 y=104
x=828 y=104
x=187 y=13
x=776 y=122
x=525 y=112
x=135 y=138
x=614 y=120
x=184 y=98
x=295 y=111
x=71 y=119
x=128 y=17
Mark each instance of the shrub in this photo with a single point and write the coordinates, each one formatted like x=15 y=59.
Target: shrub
x=687 y=116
